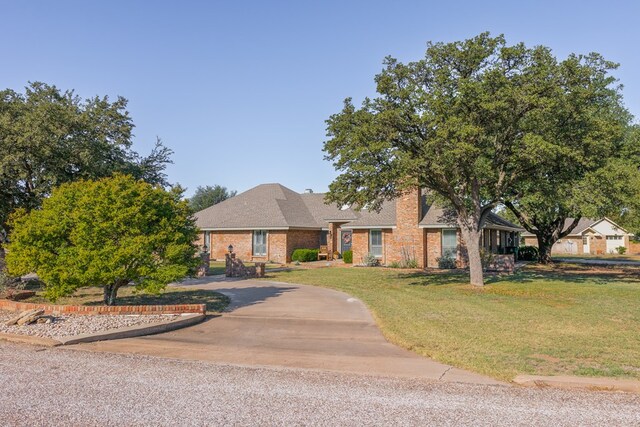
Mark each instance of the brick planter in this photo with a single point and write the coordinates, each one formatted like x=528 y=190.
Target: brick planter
x=104 y=309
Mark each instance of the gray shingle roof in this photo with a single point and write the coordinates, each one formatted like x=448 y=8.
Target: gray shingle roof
x=264 y=206
x=366 y=218
x=276 y=206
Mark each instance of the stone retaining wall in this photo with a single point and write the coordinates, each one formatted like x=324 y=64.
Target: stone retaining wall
x=104 y=309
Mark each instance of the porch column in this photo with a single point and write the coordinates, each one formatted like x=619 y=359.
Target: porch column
x=332 y=239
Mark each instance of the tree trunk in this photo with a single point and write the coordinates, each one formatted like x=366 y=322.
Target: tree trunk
x=545 y=243
x=471 y=236
x=111 y=292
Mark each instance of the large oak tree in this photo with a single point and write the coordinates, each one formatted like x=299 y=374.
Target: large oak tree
x=459 y=122
x=49 y=137
x=580 y=136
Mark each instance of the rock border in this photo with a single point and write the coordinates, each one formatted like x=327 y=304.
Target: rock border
x=186 y=319
x=10 y=305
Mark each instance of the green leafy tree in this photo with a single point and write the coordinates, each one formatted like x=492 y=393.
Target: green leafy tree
x=459 y=122
x=110 y=233
x=579 y=135
x=209 y=196
x=49 y=137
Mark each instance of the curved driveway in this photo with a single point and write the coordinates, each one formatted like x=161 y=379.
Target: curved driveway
x=283 y=324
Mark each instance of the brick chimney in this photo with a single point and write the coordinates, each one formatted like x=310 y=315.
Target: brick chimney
x=407 y=239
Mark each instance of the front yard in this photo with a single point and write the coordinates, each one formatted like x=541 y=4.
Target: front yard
x=545 y=320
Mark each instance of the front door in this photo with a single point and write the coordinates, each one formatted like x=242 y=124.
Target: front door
x=345 y=241
x=585 y=245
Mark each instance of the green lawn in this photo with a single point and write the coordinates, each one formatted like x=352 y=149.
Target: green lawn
x=561 y=319
x=214 y=301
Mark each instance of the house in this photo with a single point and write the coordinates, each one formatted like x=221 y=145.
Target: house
x=270 y=221
x=590 y=236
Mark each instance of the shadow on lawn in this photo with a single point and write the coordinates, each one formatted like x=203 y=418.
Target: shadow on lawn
x=568 y=273
x=214 y=301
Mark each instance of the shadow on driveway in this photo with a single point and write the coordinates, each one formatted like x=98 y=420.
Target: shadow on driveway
x=243 y=297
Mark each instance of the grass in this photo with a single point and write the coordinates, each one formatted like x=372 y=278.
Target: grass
x=214 y=301
x=544 y=320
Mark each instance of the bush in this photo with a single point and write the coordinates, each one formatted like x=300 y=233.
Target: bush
x=305 y=255
x=446 y=262
x=370 y=260
x=621 y=250
x=394 y=264
x=527 y=253
x=347 y=256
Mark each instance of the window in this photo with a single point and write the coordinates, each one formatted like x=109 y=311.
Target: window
x=614 y=237
x=323 y=237
x=207 y=241
x=375 y=243
x=585 y=240
x=260 y=243
x=449 y=243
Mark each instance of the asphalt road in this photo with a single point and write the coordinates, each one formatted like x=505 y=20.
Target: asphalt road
x=63 y=387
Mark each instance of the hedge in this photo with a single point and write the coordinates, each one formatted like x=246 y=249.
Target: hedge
x=305 y=255
x=527 y=253
x=347 y=256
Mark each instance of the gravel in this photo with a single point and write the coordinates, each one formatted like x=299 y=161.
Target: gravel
x=70 y=325
x=70 y=387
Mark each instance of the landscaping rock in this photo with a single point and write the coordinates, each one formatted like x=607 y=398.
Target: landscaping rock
x=29 y=317
x=18 y=295
x=68 y=325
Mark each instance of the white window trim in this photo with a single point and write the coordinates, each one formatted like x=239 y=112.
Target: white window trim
x=253 y=243
x=442 y=249
x=381 y=243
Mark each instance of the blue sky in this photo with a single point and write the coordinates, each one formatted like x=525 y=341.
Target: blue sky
x=240 y=90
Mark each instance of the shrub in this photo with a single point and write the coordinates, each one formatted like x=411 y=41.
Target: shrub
x=527 y=253
x=446 y=262
x=410 y=263
x=370 y=260
x=305 y=255
x=347 y=256
x=108 y=233
x=621 y=250
x=394 y=264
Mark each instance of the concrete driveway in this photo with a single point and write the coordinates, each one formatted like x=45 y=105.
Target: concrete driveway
x=283 y=324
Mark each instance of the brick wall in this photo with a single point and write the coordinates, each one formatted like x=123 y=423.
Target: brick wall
x=633 y=247
x=302 y=239
x=407 y=237
x=103 y=309
x=360 y=245
x=242 y=242
x=434 y=246
x=598 y=245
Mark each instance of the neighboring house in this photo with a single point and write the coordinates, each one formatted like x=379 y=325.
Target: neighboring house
x=590 y=236
x=270 y=221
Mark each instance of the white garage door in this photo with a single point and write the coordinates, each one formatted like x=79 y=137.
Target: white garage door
x=613 y=242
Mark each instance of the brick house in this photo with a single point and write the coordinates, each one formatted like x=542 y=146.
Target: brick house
x=270 y=221
x=590 y=236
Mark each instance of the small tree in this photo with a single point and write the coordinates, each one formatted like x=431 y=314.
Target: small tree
x=209 y=196
x=107 y=233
